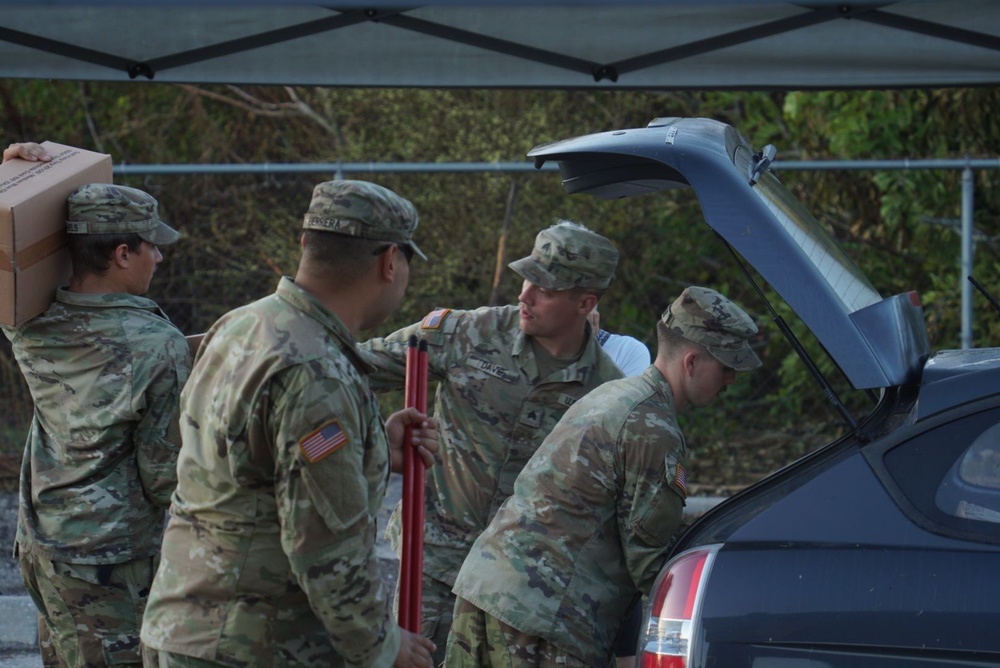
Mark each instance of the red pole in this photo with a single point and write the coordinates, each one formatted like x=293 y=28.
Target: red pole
x=405 y=571
x=419 y=482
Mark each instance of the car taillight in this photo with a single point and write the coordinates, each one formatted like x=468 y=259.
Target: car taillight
x=674 y=604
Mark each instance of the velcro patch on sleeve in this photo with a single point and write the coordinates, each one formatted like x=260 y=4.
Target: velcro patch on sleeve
x=435 y=318
x=680 y=480
x=329 y=438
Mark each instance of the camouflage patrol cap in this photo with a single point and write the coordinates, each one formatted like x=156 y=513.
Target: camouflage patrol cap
x=568 y=255
x=103 y=208
x=362 y=209
x=704 y=316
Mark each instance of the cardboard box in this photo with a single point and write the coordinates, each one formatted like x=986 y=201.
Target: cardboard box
x=34 y=260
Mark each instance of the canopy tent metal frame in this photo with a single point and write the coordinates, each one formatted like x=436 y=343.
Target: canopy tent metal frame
x=399 y=18
x=647 y=44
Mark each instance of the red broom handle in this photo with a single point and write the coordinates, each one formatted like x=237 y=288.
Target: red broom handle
x=405 y=571
x=419 y=482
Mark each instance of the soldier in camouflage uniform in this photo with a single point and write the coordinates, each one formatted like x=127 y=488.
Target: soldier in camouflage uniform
x=269 y=555
x=105 y=368
x=506 y=375
x=593 y=512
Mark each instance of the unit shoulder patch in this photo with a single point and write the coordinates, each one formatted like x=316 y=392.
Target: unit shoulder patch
x=435 y=318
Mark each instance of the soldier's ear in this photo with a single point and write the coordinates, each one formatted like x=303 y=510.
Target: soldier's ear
x=388 y=262
x=120 y=256
x=689 y=359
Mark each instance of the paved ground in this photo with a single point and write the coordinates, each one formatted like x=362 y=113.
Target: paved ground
x=18 y=630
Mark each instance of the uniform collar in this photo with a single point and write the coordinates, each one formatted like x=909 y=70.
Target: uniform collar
x=653 y=376
x=577 y=371
x=305 y=301
x=107 y=300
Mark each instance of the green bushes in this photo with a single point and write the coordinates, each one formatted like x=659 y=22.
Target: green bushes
x=241 y=232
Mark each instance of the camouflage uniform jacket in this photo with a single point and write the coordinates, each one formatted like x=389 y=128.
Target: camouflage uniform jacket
x=589 y=522
x=269 y=554
x=493 y=409
x=105 y=372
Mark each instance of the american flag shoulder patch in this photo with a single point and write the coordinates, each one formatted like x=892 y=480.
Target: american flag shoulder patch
x=321 y=442
x=434 y=319
x=680 y=480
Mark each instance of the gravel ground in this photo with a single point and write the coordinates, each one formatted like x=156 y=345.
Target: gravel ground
x=10 y=576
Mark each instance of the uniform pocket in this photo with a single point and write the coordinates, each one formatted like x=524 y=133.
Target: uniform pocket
x=662 y=516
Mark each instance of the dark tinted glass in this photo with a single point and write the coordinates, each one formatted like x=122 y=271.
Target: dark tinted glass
x=951 y=474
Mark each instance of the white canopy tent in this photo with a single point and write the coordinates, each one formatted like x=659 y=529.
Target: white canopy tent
x=652 y=44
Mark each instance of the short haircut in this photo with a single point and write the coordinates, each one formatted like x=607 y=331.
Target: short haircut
x=340 y=256
x=597 y=292
x=580 y=292
x=670 y=344
x=92 y=253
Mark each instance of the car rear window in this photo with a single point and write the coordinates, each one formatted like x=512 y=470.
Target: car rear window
x=950 y=473
x=972 y=488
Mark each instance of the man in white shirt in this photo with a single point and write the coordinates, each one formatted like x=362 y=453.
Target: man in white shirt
x=630 y=354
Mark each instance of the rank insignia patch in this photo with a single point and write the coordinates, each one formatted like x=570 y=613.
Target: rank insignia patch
x=323 y=441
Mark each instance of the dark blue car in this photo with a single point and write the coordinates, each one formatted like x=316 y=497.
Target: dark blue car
x=881 y=549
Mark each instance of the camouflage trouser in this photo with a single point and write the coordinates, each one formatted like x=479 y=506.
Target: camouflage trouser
x=480 y=640
x=88 y=615
x=436 y=606
x=171 y=660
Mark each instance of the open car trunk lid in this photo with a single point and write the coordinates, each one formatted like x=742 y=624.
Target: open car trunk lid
x=876 y=342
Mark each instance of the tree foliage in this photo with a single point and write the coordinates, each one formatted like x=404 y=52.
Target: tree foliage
x=241 y=232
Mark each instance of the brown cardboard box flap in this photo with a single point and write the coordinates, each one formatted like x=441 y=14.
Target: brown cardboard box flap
x=33 y=262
